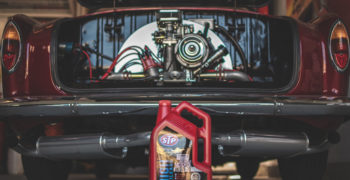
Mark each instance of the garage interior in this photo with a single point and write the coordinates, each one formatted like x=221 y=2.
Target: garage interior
x=48 y=10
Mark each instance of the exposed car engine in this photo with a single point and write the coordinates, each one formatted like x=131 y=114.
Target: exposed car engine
x=180 y=51
x=173 y=48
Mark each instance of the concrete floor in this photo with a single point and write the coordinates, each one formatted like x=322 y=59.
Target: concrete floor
x=115 y=177
x=338 y=171
x=335 y=171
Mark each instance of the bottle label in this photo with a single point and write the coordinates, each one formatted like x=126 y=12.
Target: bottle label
x=168 y=140
x=174 y=157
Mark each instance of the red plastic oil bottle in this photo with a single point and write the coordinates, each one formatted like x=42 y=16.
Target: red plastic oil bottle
x=174 y=144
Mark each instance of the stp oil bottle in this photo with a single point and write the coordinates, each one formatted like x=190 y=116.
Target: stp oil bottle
x=174 y=144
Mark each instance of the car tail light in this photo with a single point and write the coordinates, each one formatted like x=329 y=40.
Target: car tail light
x=11 y=47
x=339 y=46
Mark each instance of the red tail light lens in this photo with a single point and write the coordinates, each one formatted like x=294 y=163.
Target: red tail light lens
x=339 y=46
x=11 y=47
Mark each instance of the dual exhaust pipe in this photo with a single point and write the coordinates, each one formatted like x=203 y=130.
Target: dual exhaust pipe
x=238 y=143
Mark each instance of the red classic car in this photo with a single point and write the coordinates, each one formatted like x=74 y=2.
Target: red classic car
x=88 y=87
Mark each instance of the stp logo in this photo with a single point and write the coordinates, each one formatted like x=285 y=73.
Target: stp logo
x=168 y=140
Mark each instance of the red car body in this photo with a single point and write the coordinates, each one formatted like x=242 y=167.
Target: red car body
x=317 y=78
x=315 y=101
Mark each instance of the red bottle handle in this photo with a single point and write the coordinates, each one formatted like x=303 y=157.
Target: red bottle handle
x=204 y=133
x=195 y=111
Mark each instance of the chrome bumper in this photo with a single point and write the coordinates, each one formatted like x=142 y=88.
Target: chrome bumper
x=235 y=105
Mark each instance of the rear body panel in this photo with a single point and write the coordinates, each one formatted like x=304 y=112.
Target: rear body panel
x=314 y=63
x=33 y=76
x=317 y=74
x=34 y=83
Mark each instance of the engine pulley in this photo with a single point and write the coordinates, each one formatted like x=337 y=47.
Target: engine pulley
x=192 y=50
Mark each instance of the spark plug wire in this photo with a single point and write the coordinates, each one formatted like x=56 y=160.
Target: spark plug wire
x=114 y=63
x=90 y=64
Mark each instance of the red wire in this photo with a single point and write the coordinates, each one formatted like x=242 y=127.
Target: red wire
x=113 y=64
x=251 y=79
x=90 y=66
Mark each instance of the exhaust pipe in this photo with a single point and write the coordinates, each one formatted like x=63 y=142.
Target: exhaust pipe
x=262 y=144
x=77 y=147
x=238 y=143
x=88 y=146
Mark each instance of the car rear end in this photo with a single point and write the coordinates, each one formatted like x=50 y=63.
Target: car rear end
x=280 y=81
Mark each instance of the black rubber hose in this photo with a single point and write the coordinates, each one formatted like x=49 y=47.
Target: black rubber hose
x=235 y=43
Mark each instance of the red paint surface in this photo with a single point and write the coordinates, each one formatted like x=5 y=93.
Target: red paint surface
x=33 y=75
x=38 y=67
x=54 y=129
x=311 y=62
x=317 y=75
x=341 y=8
x=264 y=10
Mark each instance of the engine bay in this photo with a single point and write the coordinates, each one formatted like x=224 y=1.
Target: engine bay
x=167 y=48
